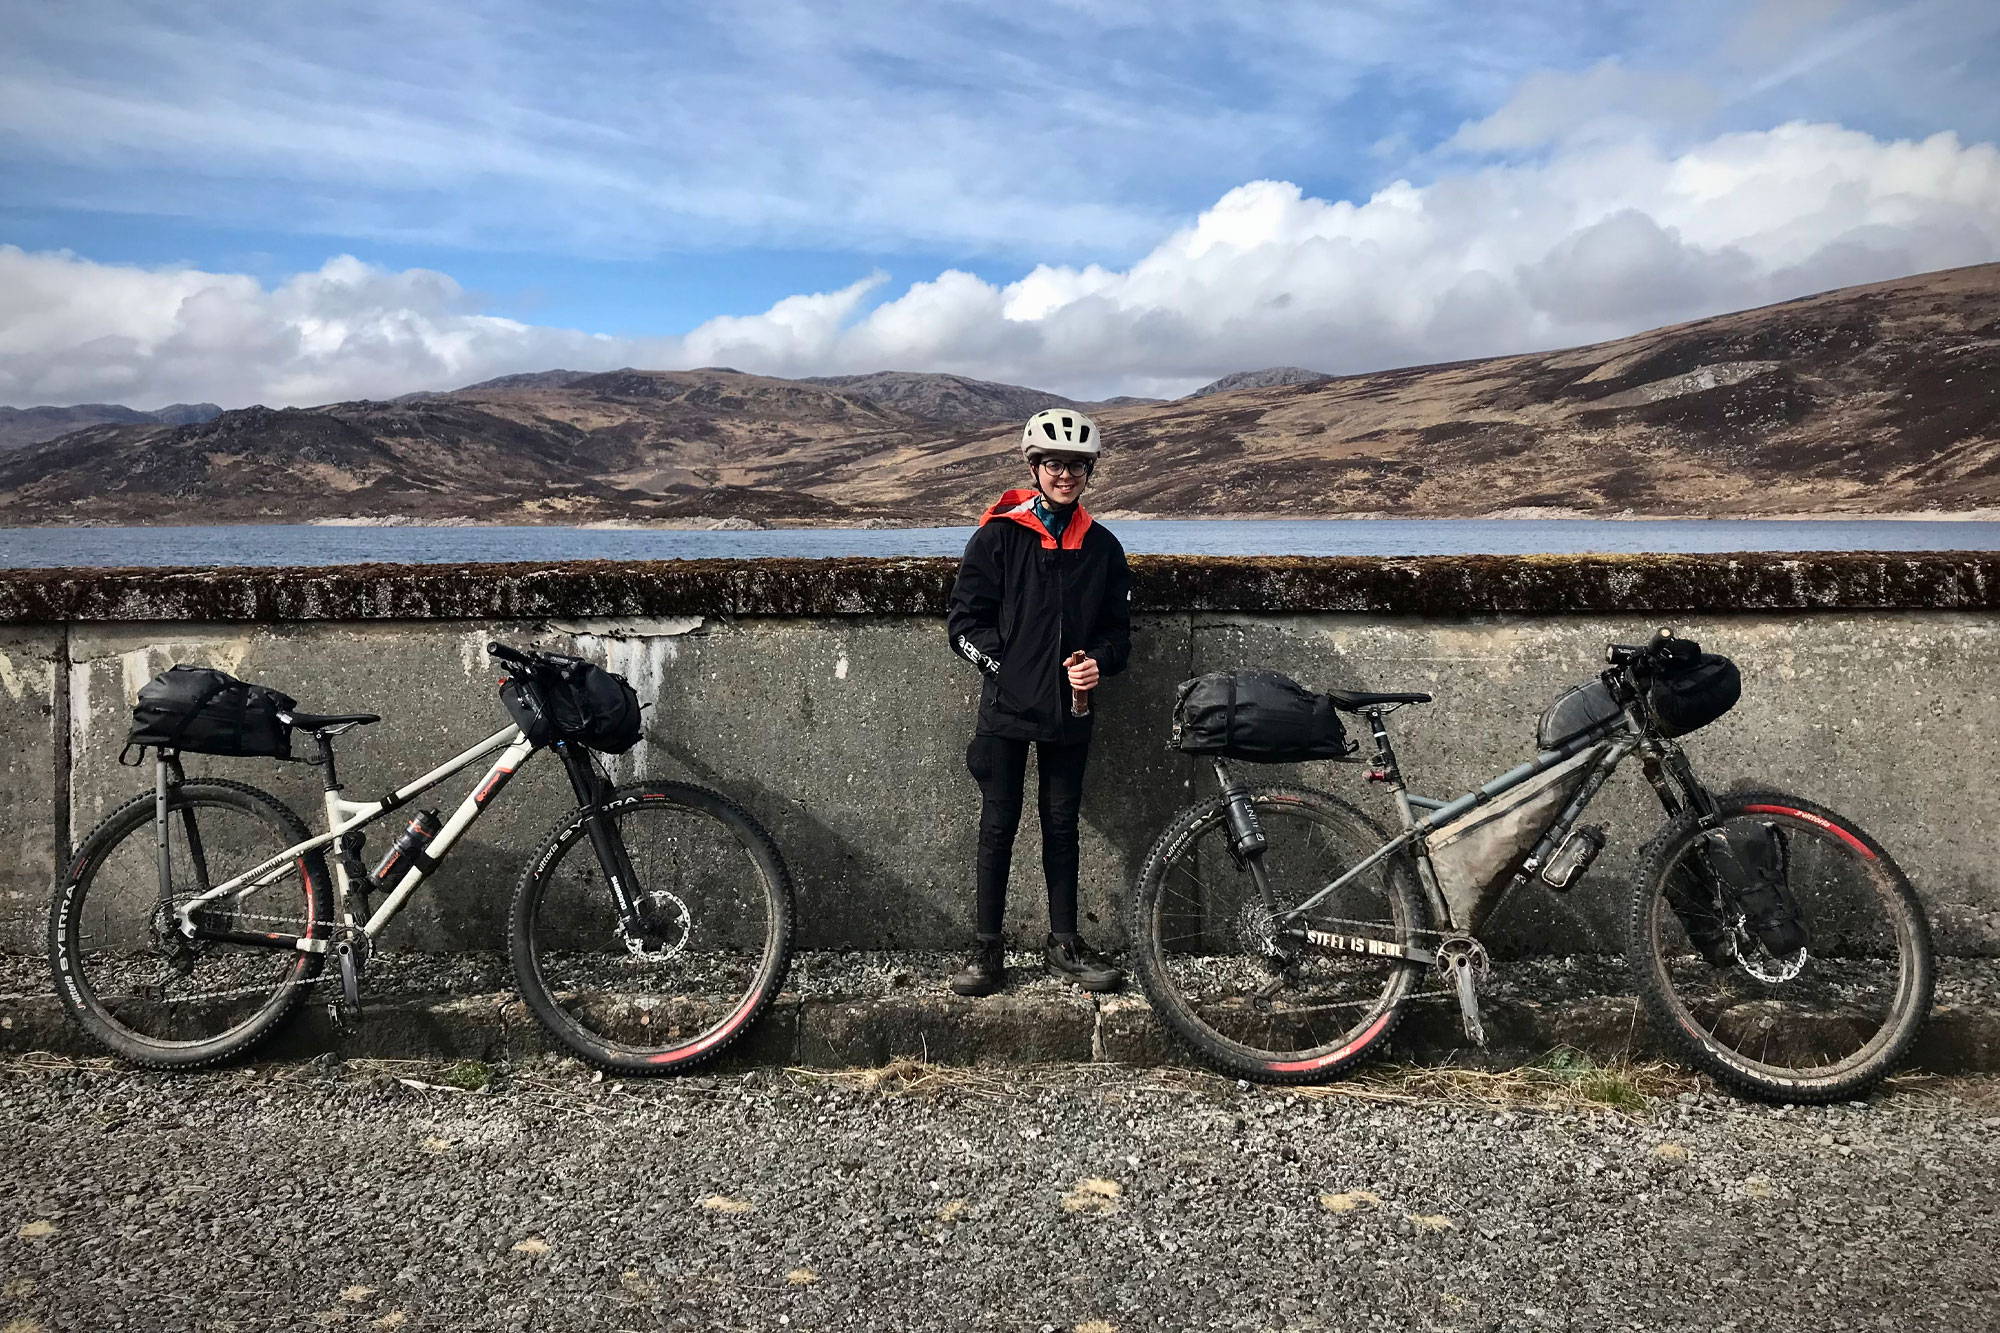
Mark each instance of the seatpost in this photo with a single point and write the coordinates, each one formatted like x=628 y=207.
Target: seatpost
x=1246 y=834
x=164 y=771
x=1384 y=768
x=329 y=775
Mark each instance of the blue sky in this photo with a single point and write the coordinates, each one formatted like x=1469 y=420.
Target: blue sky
x=617 y=177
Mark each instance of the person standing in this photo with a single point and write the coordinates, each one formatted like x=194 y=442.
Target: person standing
x=1042 y=607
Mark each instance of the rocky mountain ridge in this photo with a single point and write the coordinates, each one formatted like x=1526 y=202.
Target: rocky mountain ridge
x=31 y=425
x=1871 y=399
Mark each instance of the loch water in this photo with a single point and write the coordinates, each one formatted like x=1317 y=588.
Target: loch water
x=303 y=544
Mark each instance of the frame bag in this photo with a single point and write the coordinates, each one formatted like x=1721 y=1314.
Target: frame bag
x=1259 y=716
x=1476 y=851
x=1576 y=713
x=199 y=710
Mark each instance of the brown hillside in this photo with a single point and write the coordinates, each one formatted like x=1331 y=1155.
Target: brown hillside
x=1868 y=399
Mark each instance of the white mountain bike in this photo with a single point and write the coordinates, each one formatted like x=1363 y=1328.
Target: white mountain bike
x=649 y=929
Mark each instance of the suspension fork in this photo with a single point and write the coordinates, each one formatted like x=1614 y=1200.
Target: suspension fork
x=1673 y=780
x=592 y=794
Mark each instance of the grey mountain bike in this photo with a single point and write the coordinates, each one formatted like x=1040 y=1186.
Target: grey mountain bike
x=648 y=930
x=1281 y=932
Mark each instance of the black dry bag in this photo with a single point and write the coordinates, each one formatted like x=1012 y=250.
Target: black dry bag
x=199 y=710
x=1693 y=694
x=1260 y=716
x=576 y=701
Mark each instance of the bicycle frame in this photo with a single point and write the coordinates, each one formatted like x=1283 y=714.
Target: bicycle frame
x=344 y=817
x=1666 y=769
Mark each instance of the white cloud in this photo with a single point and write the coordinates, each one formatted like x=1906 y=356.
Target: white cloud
x=1597 y=240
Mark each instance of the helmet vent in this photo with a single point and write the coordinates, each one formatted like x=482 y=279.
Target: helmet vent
x=1083 y=435
x=1049 y=429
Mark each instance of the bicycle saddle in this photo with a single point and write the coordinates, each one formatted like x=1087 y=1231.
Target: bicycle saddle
x=331 y=721
x=1353 y=701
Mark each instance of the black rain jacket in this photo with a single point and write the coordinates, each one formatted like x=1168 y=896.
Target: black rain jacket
x=1023 y=602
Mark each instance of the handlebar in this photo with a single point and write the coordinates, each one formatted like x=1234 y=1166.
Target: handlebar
x=512 y=657
x=1663 y=649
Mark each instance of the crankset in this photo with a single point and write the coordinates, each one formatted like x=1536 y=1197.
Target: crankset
x=1463 y=960
x=350 y=945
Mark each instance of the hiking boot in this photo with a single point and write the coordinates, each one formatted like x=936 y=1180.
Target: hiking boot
x=1069 y=956
x=986 y=973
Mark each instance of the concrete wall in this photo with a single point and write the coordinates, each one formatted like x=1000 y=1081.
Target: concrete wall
x=843 y=728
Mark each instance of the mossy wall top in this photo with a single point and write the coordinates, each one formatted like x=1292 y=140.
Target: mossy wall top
x=1429 y=586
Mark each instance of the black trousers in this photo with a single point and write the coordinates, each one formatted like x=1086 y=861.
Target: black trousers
x=1000 y=767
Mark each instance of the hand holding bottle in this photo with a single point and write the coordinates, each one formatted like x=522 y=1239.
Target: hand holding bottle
x=1083 y=676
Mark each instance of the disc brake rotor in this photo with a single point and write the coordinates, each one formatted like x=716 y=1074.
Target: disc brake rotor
x=665 y=925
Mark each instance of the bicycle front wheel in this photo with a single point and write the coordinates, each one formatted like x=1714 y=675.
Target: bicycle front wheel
x=715 y=903
x=1247 y=1000
x=132 y=981
x=1817 y=1023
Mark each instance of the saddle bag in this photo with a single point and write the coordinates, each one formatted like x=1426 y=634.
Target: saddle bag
x=1259 y=716
x=578 y=701
x=199 y=710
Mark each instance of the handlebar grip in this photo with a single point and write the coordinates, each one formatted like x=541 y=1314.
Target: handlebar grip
x=1618 y=654
x=508 y=655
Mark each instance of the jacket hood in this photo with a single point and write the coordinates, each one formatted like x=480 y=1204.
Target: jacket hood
x=1019 y=506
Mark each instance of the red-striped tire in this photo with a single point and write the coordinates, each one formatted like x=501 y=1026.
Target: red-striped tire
x=1192 y=921
x=1863 y=983
x=723 y=900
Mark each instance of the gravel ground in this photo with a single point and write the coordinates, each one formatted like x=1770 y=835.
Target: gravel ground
x=366 y=1197
x=860 y=974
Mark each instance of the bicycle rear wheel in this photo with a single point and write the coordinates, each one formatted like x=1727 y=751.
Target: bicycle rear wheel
x=132 y=981
x=717 y=906
x=1821 y=1023
x=1209 y=960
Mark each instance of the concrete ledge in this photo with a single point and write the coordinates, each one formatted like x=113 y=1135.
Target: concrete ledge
x=1443 y=586
x=1036 y=1021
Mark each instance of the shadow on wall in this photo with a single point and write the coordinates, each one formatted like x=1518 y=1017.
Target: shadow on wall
x=848 y=896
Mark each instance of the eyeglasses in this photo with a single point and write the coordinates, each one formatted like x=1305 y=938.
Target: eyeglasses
x=1072 y=467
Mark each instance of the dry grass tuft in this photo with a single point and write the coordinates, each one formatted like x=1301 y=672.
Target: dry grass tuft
x=722 y=1203
x=801 y=1277
x=1564 y=1080
x=1093 y=1196
x=1351 y=1201
x=919 y=1078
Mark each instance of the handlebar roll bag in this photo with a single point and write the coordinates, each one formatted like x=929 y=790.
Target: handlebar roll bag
x=1259 y=716
x=575 y=700
x=1694 y=695
x=199 y=710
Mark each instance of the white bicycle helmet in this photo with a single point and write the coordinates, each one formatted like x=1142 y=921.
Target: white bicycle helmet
x=1059 y=430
